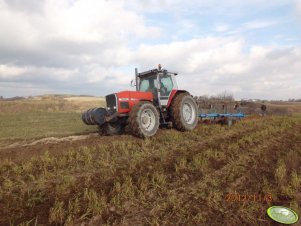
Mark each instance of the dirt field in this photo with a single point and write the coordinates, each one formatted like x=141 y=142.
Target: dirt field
x=214 y=175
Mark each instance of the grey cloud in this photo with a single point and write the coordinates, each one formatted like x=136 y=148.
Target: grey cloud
x=31 y=6
x=60 y=62
x=281 y=53
x=43 y=43
x=265 y=73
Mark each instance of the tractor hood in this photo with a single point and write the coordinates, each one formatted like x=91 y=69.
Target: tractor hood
x=134 y=96
x=123 y=101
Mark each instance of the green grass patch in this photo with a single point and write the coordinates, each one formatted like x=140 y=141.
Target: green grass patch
x=41 y=124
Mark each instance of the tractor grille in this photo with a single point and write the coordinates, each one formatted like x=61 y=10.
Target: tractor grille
x=124 y=105
x=111 y=104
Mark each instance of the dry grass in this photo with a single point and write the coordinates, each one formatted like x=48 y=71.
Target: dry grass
x=50 y=104
x=85 y=99
x=291 y=107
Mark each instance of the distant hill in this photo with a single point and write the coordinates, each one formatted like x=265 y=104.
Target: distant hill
x=46 y=96
x=13 y=98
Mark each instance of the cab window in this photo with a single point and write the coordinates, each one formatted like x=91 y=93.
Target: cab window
x=148 y=84
x=144 y=85
x=166 y=85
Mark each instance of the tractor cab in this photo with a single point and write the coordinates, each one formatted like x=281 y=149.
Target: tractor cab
x=158 y=81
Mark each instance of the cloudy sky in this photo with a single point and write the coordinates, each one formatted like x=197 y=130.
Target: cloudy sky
x=250 y=48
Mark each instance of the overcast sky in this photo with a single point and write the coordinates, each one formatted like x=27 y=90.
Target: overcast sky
x=250 y=48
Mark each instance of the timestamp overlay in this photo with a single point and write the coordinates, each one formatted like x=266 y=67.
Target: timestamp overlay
x=240 y=197
x=280 y=214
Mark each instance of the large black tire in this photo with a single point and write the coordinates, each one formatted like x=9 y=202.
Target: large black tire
x=110 y=128
x=184 y=112
x=143 y=120
x=94 y=116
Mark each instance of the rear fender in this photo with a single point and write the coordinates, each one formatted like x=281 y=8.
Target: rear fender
x=173 y=94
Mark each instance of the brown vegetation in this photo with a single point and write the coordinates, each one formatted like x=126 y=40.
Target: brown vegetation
x=173 y=178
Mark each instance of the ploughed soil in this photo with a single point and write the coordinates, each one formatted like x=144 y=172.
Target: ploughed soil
x=213 y=175
x=18 y=150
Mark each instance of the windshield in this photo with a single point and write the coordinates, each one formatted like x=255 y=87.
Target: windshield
x=148 y=84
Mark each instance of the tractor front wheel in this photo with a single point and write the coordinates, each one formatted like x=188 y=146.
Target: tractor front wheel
x=184 y=112
x=110 y=128
x=144 y=120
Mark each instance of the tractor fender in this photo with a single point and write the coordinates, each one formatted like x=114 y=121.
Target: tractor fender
x=143 y=100
x=174 y=93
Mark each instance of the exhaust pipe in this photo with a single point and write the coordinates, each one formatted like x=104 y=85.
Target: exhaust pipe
x=94 y=116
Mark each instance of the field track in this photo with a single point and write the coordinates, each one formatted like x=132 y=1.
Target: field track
x=173 y=178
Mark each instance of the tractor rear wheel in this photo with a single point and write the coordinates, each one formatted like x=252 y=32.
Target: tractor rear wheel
x=184 y=112
x=143 y=119
x=110 y=128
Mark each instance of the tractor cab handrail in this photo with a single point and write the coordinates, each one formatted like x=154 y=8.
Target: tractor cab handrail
x=154 y=72
x=147 y=73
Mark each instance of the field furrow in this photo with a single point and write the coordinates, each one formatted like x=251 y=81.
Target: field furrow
x=172 y=178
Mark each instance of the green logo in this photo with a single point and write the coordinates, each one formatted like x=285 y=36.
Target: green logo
x=282 y=214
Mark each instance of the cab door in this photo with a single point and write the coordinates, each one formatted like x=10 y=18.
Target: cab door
x=166 y=85
x=150 y=84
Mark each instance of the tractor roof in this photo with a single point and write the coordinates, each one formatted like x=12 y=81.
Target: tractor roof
x=153 y=72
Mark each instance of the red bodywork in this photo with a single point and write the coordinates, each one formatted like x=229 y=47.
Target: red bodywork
x=132 y=98
x=127 y=99
x=171 y=96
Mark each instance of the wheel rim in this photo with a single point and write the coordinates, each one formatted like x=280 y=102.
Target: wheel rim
x=189 y=113
x=148 y=120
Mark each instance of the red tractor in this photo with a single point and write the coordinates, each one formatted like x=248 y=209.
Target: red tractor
x=156 y=102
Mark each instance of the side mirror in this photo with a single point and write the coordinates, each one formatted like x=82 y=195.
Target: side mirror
x=132 y=83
